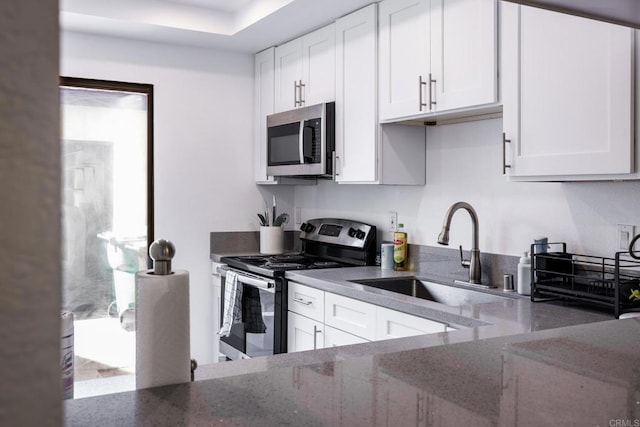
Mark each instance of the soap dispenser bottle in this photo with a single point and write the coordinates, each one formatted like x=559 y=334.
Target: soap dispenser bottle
x=524 y=275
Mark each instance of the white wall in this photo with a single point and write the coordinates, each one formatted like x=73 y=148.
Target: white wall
x=30 y=294
x=204 y=171
x=203 y=148
x=464 y=163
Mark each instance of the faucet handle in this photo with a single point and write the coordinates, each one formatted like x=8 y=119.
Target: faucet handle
x=464 y=262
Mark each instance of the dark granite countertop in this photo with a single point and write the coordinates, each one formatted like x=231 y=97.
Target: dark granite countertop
x=512 y=362
x=514 y=313
x=578 y=375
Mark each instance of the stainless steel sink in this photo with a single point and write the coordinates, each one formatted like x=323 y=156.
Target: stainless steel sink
x=444 y=294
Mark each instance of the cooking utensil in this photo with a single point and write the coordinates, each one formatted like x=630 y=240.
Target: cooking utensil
x=273 y=218
x=281 y=219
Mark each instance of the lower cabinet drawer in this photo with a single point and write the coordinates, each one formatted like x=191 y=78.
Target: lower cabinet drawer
x=335 y=337
x=306 y=300
x=349 y=315
x=394 y=324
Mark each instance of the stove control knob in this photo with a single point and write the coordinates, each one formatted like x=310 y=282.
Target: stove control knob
x=360 y=234
x=352 y=232
x=308 y=228
x=303 y=226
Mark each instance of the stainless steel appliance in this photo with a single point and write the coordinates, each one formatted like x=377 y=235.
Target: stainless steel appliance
x=326 y=243
x=301 y=142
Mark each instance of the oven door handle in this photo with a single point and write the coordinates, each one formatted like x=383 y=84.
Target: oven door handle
x=255 y=281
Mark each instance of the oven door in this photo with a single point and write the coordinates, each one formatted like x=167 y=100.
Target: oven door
x=255 y=335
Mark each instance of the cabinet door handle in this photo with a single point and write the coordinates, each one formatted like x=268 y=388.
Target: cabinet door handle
x=432 y=83
x=334 y=161
x=302 y=301
x=316 y=331
x=420 y=84
x=300 y=86
x=505 y=166
x=295 y=93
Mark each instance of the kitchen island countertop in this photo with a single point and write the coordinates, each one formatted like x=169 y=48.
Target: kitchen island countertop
x=577 y=375
x=524 y=363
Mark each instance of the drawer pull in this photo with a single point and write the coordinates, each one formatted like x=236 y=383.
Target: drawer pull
x=316 y=331
x=420 y=84
x=301 y=301
x=505 y=166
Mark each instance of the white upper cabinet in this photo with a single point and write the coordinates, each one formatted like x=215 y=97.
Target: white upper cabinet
x=305 y=70
x=263 y=106
x=319 y=66
x=365 y=151
x=356 y=100
x=436 y=56
x=568 y=96
x=404 y=56
x=464 y=59
x=288 y=74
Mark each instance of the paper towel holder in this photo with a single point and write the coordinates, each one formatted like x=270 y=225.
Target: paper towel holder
x=161 y=252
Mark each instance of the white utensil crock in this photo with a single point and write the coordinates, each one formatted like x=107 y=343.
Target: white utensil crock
x=271 y=240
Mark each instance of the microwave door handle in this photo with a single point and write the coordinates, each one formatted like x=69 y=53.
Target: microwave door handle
x=301 y=142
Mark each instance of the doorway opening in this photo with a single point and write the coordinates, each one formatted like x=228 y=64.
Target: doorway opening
x=107 y=223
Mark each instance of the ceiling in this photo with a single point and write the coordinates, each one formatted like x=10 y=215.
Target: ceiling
x=223 y=5
x=623 y=12
x=253 y=25
x=239 y=25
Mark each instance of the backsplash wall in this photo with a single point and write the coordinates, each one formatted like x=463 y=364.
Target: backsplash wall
x=464 y=163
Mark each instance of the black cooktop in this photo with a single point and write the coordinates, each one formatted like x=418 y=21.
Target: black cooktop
x=286 y=262
x=326 y=243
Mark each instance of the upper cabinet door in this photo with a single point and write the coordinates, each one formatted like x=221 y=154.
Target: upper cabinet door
x=404 y=57
x=356 y=101
x=264 y=105
x=436 y=56
x=305 y=70
x=319 y=66
x=464 y=40
x=288 y=73
x=567 y=93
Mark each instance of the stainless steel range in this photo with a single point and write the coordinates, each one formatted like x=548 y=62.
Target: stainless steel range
x=260 y=328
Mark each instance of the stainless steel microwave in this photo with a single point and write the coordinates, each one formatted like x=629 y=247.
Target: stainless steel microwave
x=301 y=142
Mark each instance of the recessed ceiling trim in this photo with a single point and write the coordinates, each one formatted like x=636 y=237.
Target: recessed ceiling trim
x=184 y=15
x=257 y=25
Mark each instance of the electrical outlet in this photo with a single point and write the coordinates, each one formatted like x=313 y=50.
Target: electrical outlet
x=393 y=221
x=624 y=235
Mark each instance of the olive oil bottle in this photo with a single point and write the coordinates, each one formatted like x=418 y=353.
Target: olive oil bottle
x=400 y=249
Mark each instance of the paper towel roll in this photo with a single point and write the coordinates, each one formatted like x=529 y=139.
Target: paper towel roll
x=162 y=329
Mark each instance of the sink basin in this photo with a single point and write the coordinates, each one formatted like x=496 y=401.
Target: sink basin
x=443 y=294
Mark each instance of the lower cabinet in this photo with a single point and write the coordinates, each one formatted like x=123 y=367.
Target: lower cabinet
x=350 y=315
x=397 y=403
x=318 y=319
x=335 y=337
x=303 y=333
x=395 y=324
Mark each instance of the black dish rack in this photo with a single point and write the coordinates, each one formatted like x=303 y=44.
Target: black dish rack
x=601 y=281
